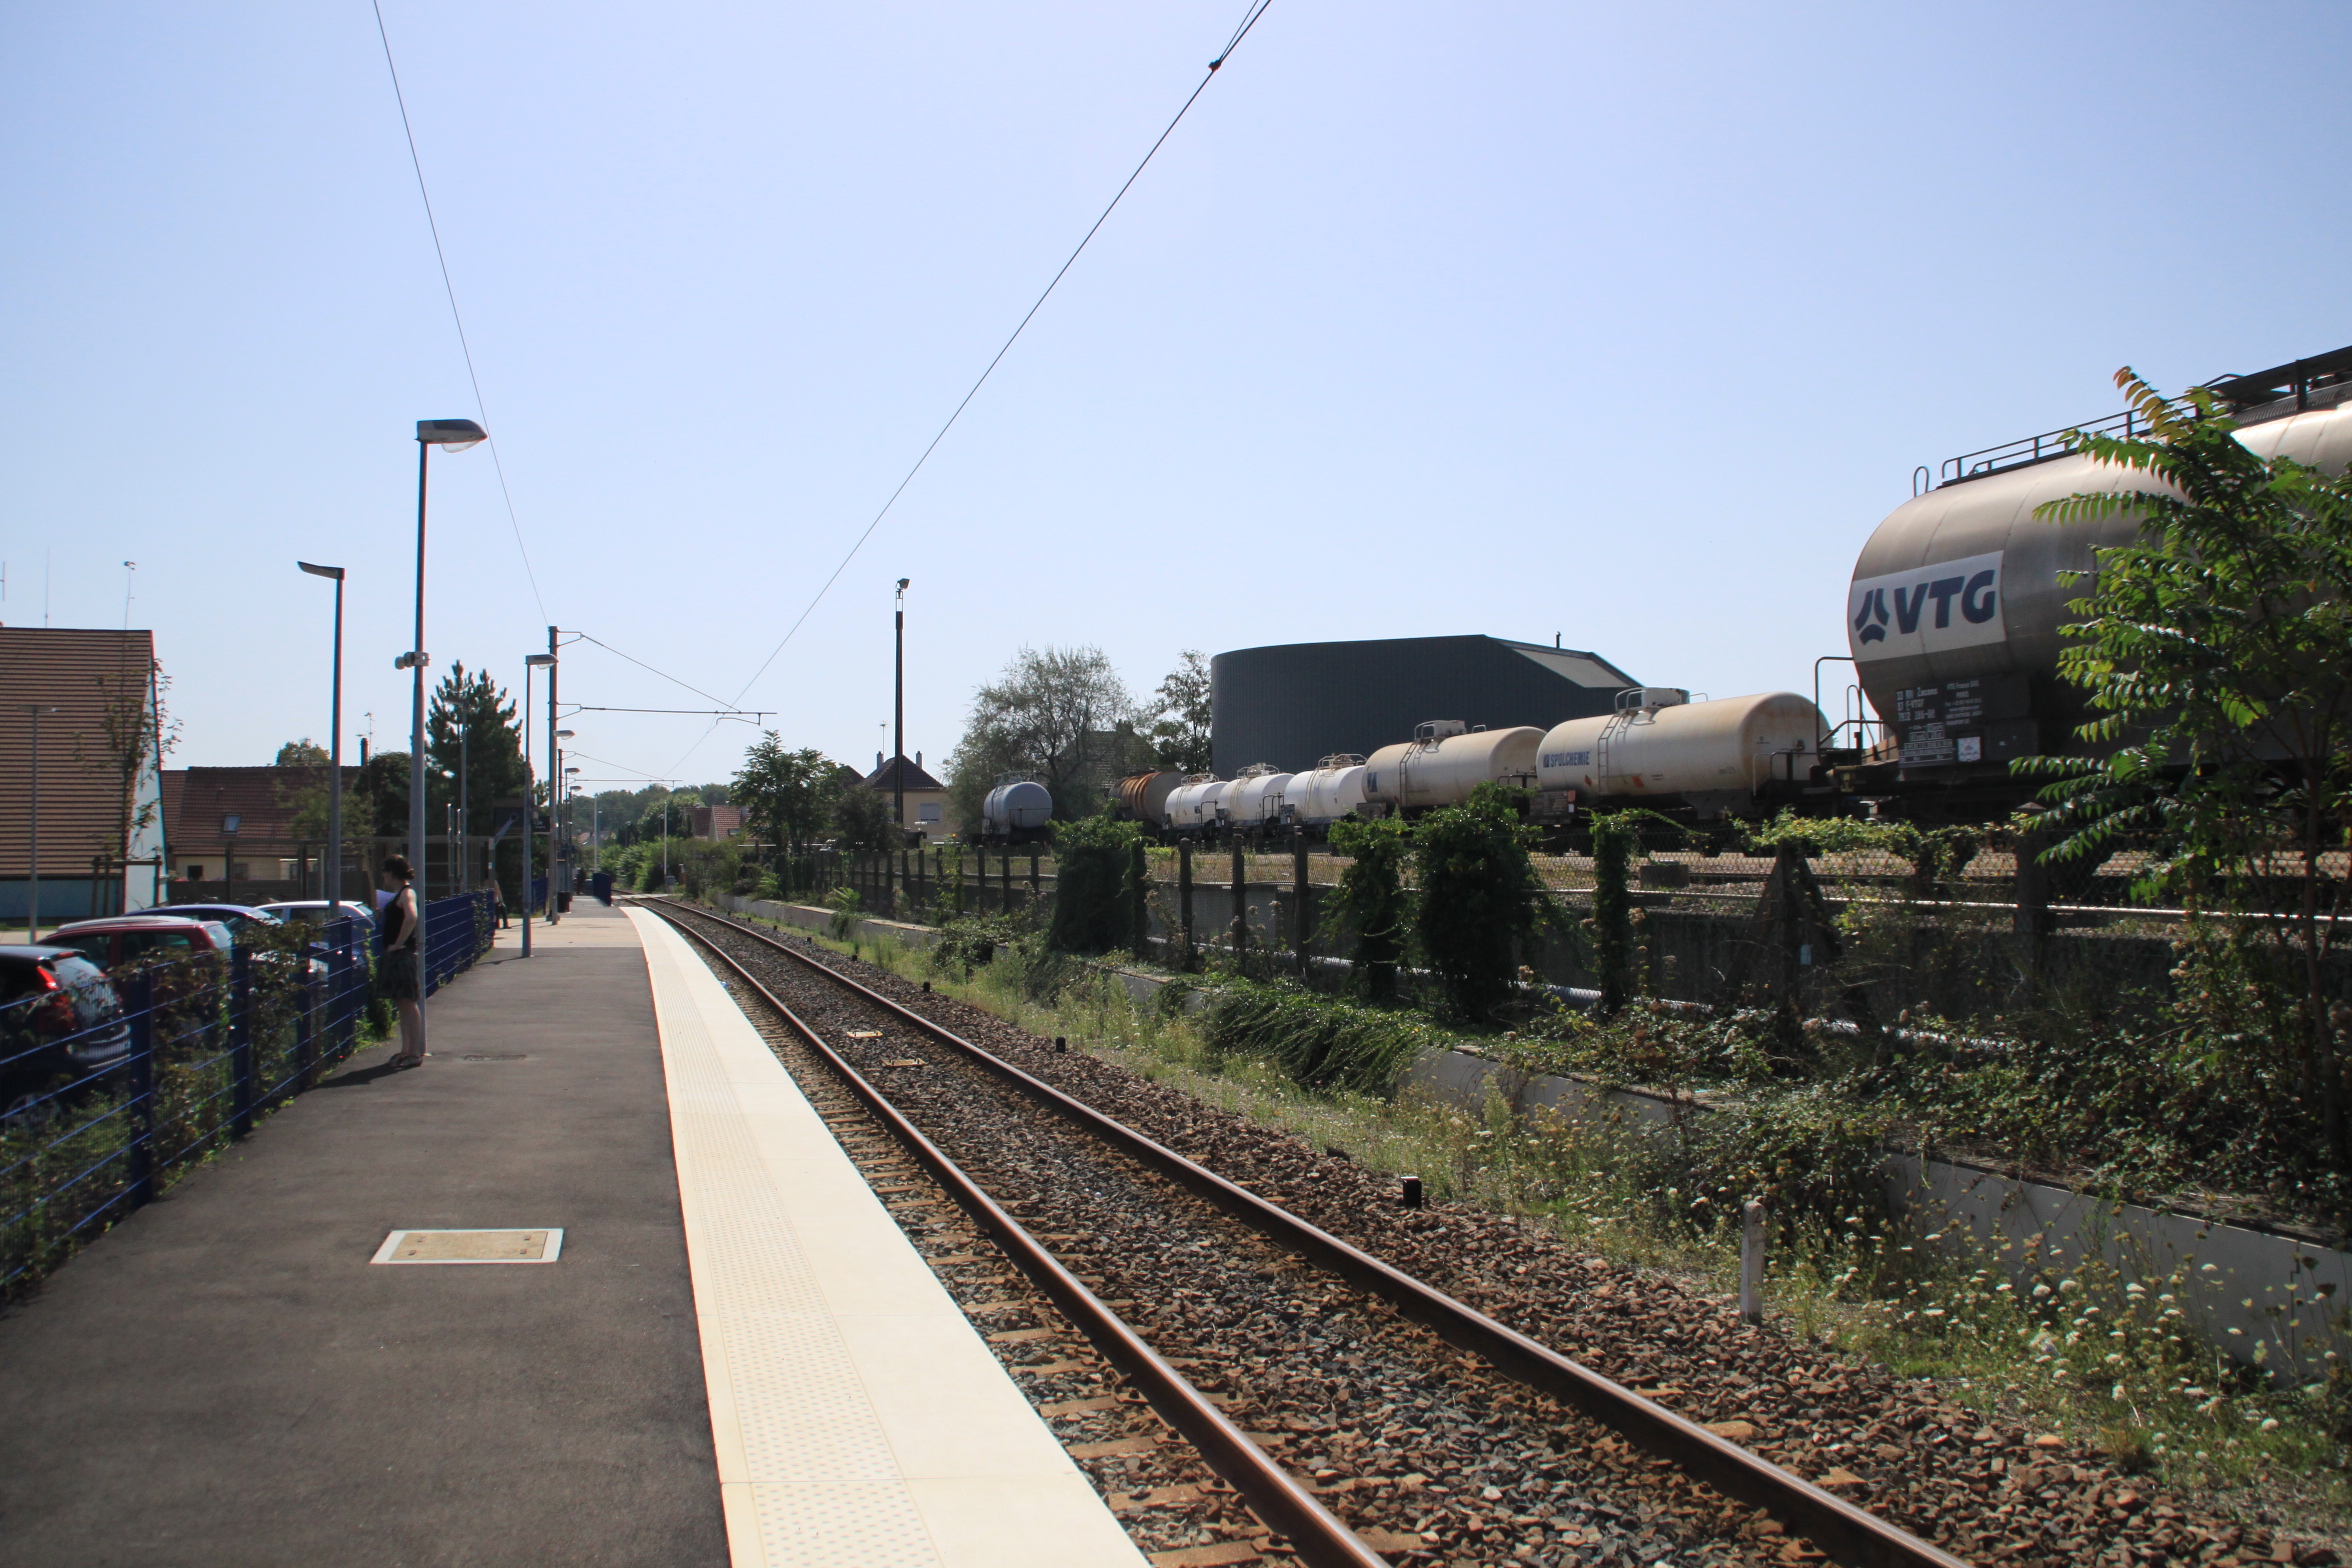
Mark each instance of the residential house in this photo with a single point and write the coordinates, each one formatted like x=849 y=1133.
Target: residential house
x=716 y=822
x=209 y=813
x=926 y=797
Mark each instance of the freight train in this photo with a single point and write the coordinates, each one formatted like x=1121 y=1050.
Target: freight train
x=1952 y=625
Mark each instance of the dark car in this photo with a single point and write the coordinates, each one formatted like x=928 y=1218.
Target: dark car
x=60 y=1023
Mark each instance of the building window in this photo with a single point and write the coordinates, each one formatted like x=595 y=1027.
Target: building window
x=927 y=811
x=195 y=872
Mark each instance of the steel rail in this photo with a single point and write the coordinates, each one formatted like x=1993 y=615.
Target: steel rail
x=1852 y=1535
x=1277 y=1499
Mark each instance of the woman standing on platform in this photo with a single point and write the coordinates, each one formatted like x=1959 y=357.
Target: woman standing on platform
x=403 y=981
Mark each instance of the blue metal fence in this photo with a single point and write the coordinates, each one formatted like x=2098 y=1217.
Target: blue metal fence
x=99 y=1113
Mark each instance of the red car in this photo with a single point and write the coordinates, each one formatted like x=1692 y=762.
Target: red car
x=114 y=940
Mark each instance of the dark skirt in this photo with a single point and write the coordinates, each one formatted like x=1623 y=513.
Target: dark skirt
x=400 y=975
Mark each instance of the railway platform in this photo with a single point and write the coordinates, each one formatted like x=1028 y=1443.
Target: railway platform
x=734 y=1356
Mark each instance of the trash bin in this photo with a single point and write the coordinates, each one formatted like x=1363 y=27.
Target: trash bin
x=601 y=883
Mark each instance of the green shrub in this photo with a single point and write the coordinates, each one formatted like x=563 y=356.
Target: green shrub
x=1479 y=898
x=1371 y=905
x=1320 y=1042
x=1093 y=900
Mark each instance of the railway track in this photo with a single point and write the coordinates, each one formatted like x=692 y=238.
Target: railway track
x=1354 y=1410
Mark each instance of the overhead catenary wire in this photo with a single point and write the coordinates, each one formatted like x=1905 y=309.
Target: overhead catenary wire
x=730 y=707
x=481 y=405
x=1249 y=20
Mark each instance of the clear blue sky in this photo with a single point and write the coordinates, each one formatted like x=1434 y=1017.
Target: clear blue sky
x=1627 y=323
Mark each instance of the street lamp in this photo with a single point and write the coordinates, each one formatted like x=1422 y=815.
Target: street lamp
x=898 y=722
x=558 y=818
x=531 y=661
x=229 y=826
x=333 y=882
x=451 y=435
x=33 y=882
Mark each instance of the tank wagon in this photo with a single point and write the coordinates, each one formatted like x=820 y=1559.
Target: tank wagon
x=1143 y=797
x=1252 y=803
x=1954 y=610
x=1191 y=812
x=1016 y=813
x=1737 y=755
x=1329 y=792
x=1443 y=762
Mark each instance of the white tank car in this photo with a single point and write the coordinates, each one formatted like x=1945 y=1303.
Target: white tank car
x=1330 y=790
x=1659 y=746
x=1254 y=799
x=1191 y=810
x=1953 y=614
x=1445 y=761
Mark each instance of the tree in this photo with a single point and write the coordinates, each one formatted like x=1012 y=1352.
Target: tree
x=1093 y=901
x=303 y=753
x=472 y=718
x=2216 y=648
x=787 y=796
x=1371 y=905
x=861 y=818
x=1179 y=720
x=1478 y=898
x=1061 y=716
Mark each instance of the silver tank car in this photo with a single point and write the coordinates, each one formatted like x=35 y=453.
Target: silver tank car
x=1660 y=748
x=1014 y=812
x=1191 y=809
x=1444 y=761
x=1329 y=791
x=1253 y=801
x=1954 y=610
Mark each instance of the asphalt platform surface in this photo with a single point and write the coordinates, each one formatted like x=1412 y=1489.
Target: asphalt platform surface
x=226 y=1379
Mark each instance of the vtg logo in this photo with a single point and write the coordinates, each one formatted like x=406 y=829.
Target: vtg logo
x=1948 y=604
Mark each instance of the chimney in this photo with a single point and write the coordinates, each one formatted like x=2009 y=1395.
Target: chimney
x=877 y=762
x=918 y=759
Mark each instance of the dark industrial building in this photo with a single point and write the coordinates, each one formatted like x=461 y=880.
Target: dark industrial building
x=1297 y=702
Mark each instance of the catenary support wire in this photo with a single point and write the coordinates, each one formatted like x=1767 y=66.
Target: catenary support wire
x=1257 y=9
x=480 y=405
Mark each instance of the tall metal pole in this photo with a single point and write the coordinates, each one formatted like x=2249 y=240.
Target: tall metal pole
x=465 y=867
x=898 y=724
x=554 y=781
x=416 y=713
x=525 y=885
x=334 y=877
x=33 y=884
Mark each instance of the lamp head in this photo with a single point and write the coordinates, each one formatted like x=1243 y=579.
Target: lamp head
x=538 y=661
x=563 y=734
x=451 y=435
x=334 y=572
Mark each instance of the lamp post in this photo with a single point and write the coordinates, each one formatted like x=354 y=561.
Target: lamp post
x=554 y=762
x=465 y=826
x=898 y=723
x=229 y=826
x=531 y=661
x=559 y=818
x=33 y=880
x=332 y=883
x=451 y=435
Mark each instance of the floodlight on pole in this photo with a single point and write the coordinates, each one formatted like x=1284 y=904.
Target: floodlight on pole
x=531 y=662
x=451 y=435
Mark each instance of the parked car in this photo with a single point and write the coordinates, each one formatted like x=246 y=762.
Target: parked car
x=318 y=912
x=114 y=940
x=60 y=1023
x=239 y=918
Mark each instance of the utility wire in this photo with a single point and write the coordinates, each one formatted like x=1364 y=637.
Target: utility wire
x=480 y=406
x=1257 y=9
x=732 y=707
